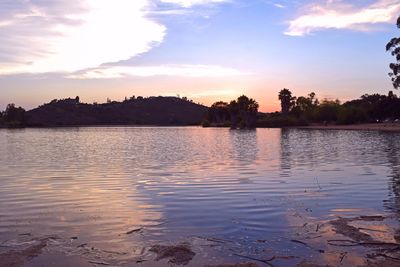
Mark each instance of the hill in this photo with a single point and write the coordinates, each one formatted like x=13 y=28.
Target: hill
x=135 y=111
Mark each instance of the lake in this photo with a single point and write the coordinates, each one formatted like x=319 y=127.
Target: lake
x=116 y=195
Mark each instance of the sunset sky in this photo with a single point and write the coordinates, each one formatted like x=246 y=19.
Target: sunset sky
x=206 y=50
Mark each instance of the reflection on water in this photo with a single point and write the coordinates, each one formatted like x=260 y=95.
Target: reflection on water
x=393 y=160
x=248 y=188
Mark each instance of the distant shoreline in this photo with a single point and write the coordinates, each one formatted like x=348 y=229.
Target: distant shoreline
x=104 y=126
x=389 y=127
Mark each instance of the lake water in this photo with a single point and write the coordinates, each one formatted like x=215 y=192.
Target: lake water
x=226 y=194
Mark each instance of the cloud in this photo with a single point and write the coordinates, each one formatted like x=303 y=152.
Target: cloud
x=275 y=4
x=335 y=14
x=279 y=5
x=71 y=35
x=81 y=37
x=190 y=3
x=192 y=71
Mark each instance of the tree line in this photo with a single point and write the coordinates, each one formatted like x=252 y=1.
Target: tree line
x=304 y=110
x=240 y=113
x=308 y=109
x=13 y=117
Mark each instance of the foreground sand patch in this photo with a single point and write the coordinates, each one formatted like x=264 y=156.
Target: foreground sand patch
x=179 y=254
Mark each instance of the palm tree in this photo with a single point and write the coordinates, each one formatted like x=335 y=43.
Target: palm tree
x=244 y=110
x=287 y=101
x=251 y=116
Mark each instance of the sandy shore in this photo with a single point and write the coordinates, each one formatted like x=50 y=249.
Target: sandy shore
x=393 y=127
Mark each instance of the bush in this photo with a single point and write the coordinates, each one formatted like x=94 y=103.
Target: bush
x=205 y=123
x=278 y=121
x=351 y=115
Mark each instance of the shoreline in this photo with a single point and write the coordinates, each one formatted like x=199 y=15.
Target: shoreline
x=387 y=127
x=100 y=126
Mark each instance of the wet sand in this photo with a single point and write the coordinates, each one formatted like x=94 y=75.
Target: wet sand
x=365 y=240
x=390 y=127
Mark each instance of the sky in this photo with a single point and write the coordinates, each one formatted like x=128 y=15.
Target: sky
x=206 y=50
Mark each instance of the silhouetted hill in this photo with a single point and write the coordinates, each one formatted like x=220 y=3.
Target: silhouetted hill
x=136 y=111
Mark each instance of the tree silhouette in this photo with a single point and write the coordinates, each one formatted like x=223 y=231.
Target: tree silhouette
x=394 y=47
x=305 y=107
x=306 y=103
x=242 y=113
x=328 y=111
x=287 y=101
x=13 y=116
x=219 y=112
x=234 y=111
x=248 y=110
